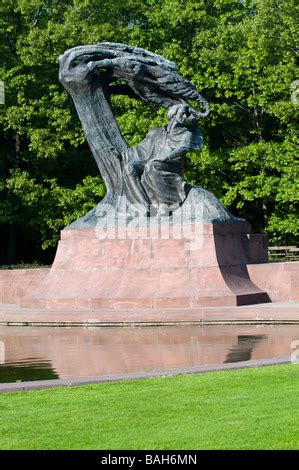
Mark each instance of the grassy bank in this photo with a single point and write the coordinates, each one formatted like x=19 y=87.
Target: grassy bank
x=245 y=409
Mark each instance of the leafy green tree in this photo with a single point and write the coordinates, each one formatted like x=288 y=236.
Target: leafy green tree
x=242 y=56
x=48 y=176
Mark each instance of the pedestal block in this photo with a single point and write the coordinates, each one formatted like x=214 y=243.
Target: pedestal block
x=153 y=267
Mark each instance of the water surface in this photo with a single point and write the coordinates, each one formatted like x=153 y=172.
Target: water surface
x=41 y=353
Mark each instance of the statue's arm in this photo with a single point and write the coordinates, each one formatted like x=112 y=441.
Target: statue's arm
x=180 y=151
x=188 y=143
x=173 y=154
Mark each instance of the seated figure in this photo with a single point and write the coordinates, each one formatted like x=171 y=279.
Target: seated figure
x=154 y=174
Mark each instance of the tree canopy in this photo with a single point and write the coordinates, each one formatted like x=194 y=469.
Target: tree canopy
x=241 y=55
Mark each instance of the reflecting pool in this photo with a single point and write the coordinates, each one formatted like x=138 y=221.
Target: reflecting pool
x=41 y=353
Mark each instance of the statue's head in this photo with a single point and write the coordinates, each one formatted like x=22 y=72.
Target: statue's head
x=179 y=112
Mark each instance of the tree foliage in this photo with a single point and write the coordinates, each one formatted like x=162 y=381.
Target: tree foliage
x=240 y=54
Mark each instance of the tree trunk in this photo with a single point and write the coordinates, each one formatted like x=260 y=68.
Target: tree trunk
x=12 y=238
x=265 y=213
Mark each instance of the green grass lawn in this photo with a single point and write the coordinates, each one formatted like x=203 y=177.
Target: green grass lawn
x=242 y=409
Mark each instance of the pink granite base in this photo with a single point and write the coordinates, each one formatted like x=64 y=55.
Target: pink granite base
x=15 y=283
x=280 y=280
x=203 y=266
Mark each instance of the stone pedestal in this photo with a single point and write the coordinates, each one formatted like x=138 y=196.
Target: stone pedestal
x=153 y=267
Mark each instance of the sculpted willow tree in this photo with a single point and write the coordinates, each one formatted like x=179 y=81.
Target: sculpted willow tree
x=150 y=173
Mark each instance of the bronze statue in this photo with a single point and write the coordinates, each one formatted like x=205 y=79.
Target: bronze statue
x=150 y=174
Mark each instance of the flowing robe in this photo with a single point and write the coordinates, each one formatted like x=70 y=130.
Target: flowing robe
x=156 y=165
